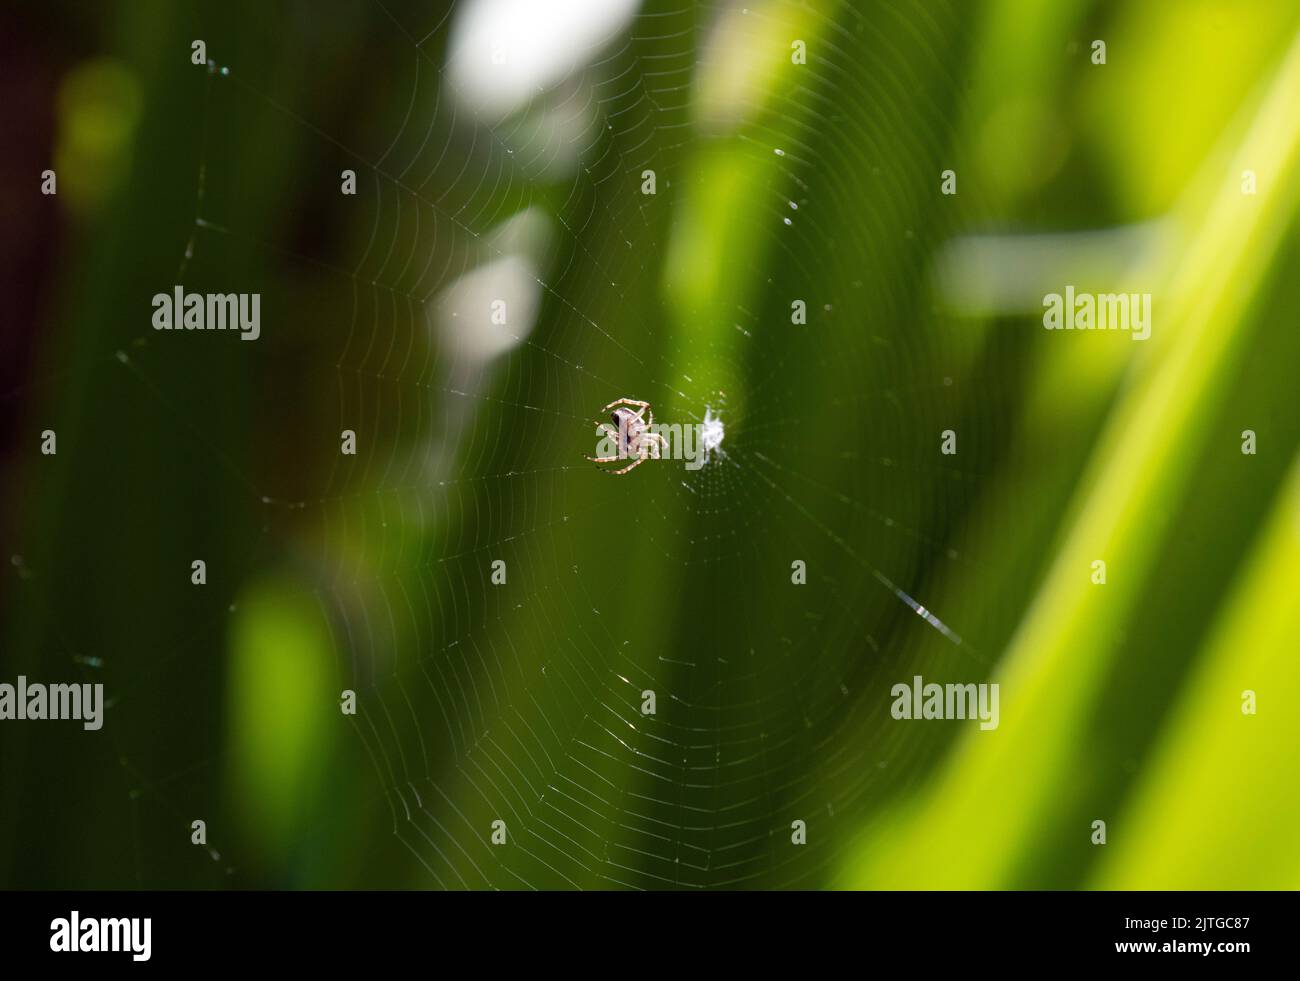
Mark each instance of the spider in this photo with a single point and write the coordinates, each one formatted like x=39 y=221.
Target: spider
x=633 y=434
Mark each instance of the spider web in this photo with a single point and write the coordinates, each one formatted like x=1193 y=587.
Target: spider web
x=522 y=702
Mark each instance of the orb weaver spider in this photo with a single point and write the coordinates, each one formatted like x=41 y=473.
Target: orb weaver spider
x=633 y=434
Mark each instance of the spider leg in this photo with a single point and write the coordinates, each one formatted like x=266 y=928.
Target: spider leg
x=647 y=446
x=643 y=446
x=613 y=433
x=650 y=433
x=631 y=466
x=644 y=405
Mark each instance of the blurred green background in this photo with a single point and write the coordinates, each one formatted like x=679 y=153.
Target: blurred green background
x=502 y=154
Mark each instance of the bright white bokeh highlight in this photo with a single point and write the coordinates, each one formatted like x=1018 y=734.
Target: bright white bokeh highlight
x=504 y=52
